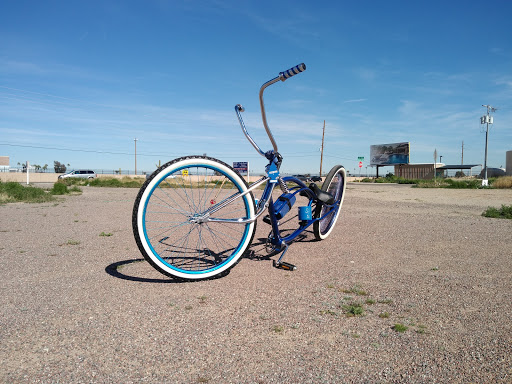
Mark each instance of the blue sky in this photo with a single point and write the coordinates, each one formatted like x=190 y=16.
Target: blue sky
x=80 y=80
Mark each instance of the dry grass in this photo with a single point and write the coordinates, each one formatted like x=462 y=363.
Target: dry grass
x=503 y=182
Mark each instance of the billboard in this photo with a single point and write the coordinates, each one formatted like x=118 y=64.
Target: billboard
x=389 y=154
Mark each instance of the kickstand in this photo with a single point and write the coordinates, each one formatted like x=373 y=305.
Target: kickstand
x=283 y=264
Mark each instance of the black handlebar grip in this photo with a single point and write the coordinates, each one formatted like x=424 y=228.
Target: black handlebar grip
x=292 y=71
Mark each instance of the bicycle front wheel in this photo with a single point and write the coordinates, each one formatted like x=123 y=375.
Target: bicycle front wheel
x=334 y=183
x=169 y=224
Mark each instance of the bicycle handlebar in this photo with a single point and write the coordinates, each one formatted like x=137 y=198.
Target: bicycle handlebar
x=292 y=71
x=238 y=108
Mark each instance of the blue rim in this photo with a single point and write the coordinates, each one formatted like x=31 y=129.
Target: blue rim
x=235 y=252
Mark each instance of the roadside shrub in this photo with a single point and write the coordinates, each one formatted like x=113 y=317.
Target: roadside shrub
x=15 y=192
x=59 y=189
x=69 y=181
x=462 y=184
x=125 y=182
x=103 y=182
x=505 y=212
x=401 y=180
x=503 y=182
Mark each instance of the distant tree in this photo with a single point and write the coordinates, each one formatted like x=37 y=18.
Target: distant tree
x=59 y=167
x=37 y=167
x=45 y=167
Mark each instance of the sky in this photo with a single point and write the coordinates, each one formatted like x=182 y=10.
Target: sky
x=81 y=80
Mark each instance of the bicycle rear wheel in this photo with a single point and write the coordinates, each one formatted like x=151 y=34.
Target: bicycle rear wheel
x=334 y=183
x=165 y=218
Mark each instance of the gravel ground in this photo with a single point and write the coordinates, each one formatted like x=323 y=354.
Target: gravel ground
x=77 y=307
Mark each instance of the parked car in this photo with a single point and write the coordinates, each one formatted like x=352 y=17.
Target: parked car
x=81 y=173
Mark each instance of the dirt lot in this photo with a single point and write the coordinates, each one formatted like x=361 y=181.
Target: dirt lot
x=77 y=307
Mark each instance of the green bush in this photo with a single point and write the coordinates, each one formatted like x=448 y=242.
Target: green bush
x=505 y=212
x=125 y=182
x=59 y=189
x=462 y=184
x=69 y=181
x=15 y=192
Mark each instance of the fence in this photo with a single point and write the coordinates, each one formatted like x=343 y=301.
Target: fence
x=5 y=169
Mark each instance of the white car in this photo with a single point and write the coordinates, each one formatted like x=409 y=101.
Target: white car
x=82 y=174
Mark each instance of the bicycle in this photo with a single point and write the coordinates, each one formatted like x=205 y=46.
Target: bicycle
x=195 y=216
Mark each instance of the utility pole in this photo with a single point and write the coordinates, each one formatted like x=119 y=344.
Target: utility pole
x=462 y=158
x=435 y=165
x=487 y=119
x=322 y=150
x=135 y=140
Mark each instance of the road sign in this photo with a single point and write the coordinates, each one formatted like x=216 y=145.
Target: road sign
x=184 y=172
x=360 y=164
x=360 y=158
x=242 y=167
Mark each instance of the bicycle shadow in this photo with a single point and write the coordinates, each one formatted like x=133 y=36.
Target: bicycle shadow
x=114 y=271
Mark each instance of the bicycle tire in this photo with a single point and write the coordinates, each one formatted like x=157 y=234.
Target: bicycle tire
x=335 y=183
x=165 y=209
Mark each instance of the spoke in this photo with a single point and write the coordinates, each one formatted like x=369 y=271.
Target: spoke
x=185 y=213
x=167 y=229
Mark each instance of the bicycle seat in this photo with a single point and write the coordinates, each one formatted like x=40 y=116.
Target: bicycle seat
x=324 y=197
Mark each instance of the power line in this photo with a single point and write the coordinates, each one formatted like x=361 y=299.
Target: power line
x=230 y=156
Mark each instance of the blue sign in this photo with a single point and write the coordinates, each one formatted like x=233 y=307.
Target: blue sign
x=241 y=166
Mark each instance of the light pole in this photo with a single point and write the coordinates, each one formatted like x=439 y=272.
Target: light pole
x=486 y=119
x=135 y=140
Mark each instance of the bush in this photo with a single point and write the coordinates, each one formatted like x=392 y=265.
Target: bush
x=59 y=189
x=503 y=182
x=15 y=192
x=462 y=184
x=505 y=212
x=125 y=182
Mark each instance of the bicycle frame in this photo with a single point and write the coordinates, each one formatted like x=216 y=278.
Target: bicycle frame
x=271 y=179
x=266 y=202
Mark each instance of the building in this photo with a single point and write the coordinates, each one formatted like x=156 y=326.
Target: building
x=4 y=163
x=426 y=171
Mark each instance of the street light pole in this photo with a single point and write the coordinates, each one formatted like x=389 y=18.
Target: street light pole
x=486 y=119
x=135 y=140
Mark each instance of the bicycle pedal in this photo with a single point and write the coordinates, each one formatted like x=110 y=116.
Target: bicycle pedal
x=284 y=265
x=267 y=220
